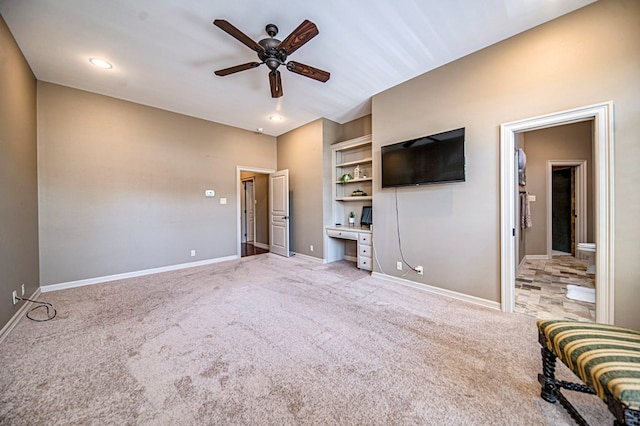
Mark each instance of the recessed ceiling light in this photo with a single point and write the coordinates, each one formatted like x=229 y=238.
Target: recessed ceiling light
x=275 y=117
x=101 y=63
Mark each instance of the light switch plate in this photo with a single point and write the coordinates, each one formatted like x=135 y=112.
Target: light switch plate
x=223 y=201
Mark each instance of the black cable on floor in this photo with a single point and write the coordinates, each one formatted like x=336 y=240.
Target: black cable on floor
x=48 y=306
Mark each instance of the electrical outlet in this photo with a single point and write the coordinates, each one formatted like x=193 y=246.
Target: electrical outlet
x=22 y=289
x=14 y=297
x=193 y=253
x=311 y=247
x=419 y=270
x=399 y=266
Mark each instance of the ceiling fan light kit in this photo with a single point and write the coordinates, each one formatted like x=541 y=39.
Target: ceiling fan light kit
x=274 y=53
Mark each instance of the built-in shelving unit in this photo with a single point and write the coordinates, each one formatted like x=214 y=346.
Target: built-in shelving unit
x=347 y=156
x=350 y=195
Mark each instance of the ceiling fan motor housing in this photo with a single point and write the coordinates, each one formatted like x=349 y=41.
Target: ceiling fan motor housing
x=271 y=55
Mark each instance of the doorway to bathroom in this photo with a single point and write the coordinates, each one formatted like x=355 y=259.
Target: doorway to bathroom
x=600 y=117
x=551 y=282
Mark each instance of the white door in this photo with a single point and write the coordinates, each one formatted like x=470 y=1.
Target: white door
x=279 y=212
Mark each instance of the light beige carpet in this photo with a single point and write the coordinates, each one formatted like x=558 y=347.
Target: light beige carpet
x=268 y=340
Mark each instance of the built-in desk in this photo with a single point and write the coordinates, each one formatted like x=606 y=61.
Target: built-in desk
x=362 y=236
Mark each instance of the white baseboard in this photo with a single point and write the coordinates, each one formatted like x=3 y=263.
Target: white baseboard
x=98 y=280
x=537 y=257
x=307 y=257
x=351 y=258
x=16 y=317
x=262 y=245
x=443 y=292
x=524 y=259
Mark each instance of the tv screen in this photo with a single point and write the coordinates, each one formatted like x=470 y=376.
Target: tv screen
x=438 y=158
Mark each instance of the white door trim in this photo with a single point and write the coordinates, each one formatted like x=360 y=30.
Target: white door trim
x=239 y=197
x=581 y=201
x=602 y=116
x=249 y=207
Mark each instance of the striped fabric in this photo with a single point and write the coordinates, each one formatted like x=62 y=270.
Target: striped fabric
x=605 y=357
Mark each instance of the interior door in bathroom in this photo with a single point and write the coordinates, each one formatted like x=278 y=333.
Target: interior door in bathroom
x=562 y=210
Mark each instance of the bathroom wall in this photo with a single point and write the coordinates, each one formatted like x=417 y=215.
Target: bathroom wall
x=568 y=142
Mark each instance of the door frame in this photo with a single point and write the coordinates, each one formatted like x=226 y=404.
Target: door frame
x=581 y=201
x=602 y=116
x=252 y=201
x=240 y=169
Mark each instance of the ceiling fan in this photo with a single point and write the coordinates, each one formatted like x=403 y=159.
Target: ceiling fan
x=274 y=52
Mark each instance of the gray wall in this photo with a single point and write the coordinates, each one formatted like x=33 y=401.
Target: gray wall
x=306 y=152
x=122 y=185
x=583 y=58
x=18 y=176
x=356 y=128
x=568 y=142
x=301 y=152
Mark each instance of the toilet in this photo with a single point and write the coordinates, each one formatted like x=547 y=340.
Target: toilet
x=589 y=250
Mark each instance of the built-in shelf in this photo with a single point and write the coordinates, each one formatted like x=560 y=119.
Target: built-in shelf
x=346 y=157
x=355 y=163
x=355 y=181
x=356 y=198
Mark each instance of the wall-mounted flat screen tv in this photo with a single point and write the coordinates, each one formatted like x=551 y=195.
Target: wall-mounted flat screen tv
x=438 y=158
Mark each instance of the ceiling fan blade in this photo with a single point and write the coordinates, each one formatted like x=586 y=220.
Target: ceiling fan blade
x=238 y=35
x=276 y=84
x=305 y=32
x=237 y=68
x=308 y=71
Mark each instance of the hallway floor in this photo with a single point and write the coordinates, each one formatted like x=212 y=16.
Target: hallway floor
x=248 y=249
x=541 y=289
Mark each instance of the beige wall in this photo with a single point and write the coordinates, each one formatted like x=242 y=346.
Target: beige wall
x=356 y=128
x=300 y=151
x=18 y=176
x=582 y=58
x=306 y=152
x=122 y=185
x=569 y=142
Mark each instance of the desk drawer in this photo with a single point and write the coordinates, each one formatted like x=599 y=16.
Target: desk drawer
x=364 y=250
x=364 y=263
x=364 y=238
x=346 y=235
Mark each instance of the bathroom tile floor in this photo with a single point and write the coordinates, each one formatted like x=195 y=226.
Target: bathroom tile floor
x=541 y=289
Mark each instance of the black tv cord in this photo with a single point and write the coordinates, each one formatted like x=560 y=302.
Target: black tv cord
x=398 y=231
x=48 y=306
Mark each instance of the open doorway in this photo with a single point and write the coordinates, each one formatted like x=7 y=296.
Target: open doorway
x=551 y=282
x=601 y=117
x=253 y=211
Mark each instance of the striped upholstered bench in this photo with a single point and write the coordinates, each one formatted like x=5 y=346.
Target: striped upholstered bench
x=605 y=357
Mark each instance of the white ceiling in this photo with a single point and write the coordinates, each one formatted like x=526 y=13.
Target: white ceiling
x=164 y=52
